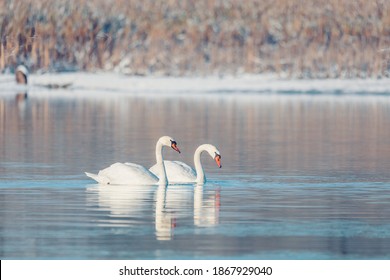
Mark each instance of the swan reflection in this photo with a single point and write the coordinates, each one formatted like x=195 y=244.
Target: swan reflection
x=172 y=207
x=180 y=203
x=206 y=207
x=121 y=201
x=165 y=218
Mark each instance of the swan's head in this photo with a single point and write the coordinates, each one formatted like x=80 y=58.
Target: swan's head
x=214 y=153
x=170 y=142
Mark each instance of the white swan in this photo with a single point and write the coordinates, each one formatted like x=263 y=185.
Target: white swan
x=135 y=174
x=179 y=172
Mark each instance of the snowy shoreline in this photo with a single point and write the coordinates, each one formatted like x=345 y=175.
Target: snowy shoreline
x=91 y=83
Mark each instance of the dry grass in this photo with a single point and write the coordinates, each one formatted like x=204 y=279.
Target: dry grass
x=298 y=38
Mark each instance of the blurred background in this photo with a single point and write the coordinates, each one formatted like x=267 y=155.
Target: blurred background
x=297 y=38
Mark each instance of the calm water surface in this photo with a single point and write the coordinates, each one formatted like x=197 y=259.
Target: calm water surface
x=303 y=177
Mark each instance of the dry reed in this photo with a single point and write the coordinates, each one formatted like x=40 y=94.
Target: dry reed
x=297 y=38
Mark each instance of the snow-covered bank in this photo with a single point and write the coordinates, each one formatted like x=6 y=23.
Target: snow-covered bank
x=90 y=83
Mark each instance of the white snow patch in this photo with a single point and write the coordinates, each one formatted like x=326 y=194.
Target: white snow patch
x=112 y=83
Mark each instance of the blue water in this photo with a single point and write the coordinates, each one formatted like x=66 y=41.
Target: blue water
x=302 y=178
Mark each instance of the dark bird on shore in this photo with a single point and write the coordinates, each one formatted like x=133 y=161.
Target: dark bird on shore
x=21 y=75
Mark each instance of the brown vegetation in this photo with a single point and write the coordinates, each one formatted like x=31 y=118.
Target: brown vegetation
x=300 y=38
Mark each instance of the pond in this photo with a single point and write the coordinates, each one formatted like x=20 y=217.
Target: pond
x=304 y=176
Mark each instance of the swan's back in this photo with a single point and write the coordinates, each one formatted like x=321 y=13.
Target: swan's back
x=177 y=172
x=128 y=174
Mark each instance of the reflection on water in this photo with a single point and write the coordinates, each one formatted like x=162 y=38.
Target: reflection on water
x=126 y=204
x=206 y=211
x=258 y=134
x=303 y=177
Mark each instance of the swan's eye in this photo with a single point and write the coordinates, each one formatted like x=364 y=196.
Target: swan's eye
x=217 y=155
x=173 y=142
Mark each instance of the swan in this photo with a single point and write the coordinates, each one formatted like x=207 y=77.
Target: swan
x=179 y=172
x=135 y=174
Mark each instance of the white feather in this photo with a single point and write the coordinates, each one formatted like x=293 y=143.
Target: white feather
x=135 y=174
x=178 y=172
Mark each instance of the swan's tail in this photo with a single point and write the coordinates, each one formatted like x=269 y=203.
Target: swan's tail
x=97 y=178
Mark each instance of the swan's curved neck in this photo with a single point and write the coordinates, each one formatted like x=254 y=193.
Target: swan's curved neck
x=200 y=177
x=160 y=162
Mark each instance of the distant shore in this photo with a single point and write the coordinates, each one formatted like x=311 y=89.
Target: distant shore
x=308 y=39
x=109 y=85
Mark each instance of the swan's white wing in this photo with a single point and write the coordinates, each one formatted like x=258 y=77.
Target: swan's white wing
x=128 y=174
x=154 y=170
x=100 y=179
x=177 y=172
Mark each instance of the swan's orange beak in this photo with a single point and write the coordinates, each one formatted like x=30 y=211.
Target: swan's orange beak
x=218 y=160
x=174 y=146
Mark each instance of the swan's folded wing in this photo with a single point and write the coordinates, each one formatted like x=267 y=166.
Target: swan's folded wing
x=154 y=170
x=100 y=179
x=129 y=173
x=179 y=172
